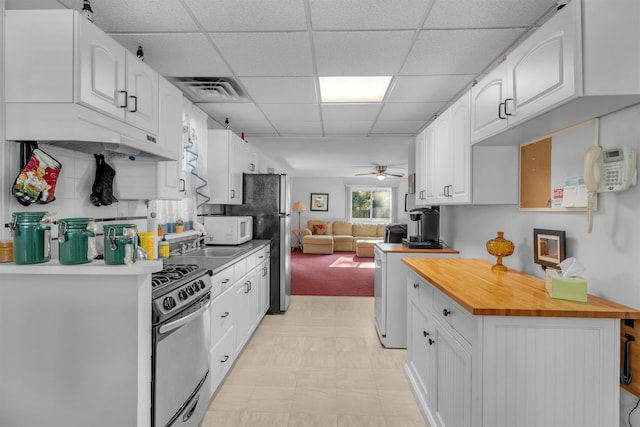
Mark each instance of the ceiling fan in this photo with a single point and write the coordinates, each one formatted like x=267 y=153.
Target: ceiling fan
x=381 y=171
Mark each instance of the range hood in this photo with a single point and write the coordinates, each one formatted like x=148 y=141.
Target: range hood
x=76 y=127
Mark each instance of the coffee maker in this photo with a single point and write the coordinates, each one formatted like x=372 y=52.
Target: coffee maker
x=428 y=236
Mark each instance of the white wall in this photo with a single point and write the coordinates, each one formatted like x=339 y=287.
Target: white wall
x=611 y=253
x=301 y=189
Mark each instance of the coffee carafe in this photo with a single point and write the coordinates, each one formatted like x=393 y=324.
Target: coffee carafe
x=428 y=228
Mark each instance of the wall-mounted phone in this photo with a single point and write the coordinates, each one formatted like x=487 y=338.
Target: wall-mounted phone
x=608 y=170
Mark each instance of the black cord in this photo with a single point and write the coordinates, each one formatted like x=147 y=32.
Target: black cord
x=634 y=408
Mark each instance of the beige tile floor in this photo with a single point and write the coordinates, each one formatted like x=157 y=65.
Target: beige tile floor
x=320 y=365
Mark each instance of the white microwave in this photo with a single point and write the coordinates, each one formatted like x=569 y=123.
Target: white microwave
x=228 y=230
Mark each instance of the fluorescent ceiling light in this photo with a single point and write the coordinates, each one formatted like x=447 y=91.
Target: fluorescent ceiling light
x=354 y=89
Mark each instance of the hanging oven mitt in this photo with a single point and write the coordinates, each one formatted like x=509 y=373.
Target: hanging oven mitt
x=102 y=189
x=36 y=183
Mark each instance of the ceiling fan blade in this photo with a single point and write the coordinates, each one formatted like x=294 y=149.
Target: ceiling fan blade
x=399 y=175
x=368 y=173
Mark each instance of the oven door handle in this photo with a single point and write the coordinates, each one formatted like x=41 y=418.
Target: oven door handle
x=186 y=319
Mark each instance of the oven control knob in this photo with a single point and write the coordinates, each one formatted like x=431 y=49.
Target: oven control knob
x=190 y=290
x=202 y=285
x=182 y=295
x=196 y=287
x=168 y=303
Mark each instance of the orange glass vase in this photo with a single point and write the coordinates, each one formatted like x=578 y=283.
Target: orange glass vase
x=500 y=247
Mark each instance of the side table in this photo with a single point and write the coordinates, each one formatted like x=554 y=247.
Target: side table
x=298 y=233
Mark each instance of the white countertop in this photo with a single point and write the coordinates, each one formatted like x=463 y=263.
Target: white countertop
x=95 y=267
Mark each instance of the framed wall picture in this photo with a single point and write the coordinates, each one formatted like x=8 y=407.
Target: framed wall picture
x=319 y=202
x=548 y=247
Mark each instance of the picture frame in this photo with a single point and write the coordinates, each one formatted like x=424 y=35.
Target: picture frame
x=319 y=202
x=549 y=247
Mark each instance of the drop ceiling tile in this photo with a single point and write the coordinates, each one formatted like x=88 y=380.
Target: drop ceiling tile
x=249 y=15
x=410 y=111
x=304 y=112
x=367 y=14
x=361 y=53
x=236 y=112
x=457 y=51
x=349 y=112
x=486 y=13
x=360 y=127
x=140 y=16
x=266 y=54
x=297 y=90
x=297 y=128
x=405 y=127
x=253 y=129
x=177 y=55
x=428 y=88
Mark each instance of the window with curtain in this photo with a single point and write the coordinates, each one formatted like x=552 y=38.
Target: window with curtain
x=371 y=204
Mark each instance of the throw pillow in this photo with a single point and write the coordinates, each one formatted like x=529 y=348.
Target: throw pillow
x=320 y=229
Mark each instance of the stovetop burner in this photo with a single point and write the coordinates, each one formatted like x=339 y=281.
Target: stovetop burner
x=176 y=287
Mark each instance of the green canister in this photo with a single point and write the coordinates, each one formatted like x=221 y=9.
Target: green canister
x=76 y=240
x=120 y=243
x=31 y=232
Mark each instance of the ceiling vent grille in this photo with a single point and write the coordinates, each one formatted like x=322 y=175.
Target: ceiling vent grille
x=211 y=89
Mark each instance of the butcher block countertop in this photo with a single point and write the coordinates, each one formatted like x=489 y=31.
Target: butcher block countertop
x=472 y=284
x=399 y=247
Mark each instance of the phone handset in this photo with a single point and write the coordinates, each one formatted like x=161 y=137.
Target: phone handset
x=592 y=179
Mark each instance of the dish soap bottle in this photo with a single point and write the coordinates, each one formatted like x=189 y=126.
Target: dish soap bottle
x=163 y=248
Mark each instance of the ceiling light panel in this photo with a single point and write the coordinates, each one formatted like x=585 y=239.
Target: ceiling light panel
x=353 y=89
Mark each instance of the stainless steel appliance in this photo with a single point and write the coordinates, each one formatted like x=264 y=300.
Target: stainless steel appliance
x=228 y=230
x=266 y=199
x=428 y=236
x=180 y=361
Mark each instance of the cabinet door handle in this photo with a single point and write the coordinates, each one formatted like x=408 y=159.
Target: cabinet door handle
x=246 y=287
x=445 y=312
x=416 y=286
x=135 y=104
x=425 y=334
x=183 y=185
x=126 y=97
x=431 y=342
x=226 y=357
x=225 y=281
x=225 y=314
x=502 y=104
x=505 y=106
x=233 y=194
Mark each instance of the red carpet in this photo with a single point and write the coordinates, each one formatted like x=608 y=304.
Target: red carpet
x=340 y=274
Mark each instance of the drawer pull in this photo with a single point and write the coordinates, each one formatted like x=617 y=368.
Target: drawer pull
x=225 y=314
x=431 y=342
x=445 y=312
x=226 y=357
x=425 y=333
x=225 y=281
x=415 y=286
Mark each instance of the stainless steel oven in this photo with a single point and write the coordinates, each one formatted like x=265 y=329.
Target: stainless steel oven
x=181 y=331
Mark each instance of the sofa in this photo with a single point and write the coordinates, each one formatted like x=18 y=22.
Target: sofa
x=325 y=237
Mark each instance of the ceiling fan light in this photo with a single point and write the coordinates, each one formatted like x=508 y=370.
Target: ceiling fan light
x=380 y=177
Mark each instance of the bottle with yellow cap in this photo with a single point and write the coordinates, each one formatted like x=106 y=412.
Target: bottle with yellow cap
x=163 y=248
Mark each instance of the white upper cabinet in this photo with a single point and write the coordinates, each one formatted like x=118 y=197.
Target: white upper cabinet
x=114 y=80
x=487 y=108
x=456 y=165
x=420 y=166
x=582 y=63
x=169 y=174
x=225 y=165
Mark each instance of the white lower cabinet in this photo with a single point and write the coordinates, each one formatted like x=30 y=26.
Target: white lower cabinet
x=504 y=371
x=237 y=307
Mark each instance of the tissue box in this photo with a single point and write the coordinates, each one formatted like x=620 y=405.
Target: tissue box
x=567 y=288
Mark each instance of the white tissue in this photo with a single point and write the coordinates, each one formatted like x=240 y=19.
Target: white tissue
x=571 y=267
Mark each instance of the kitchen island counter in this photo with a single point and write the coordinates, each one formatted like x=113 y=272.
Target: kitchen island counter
x=472 y=284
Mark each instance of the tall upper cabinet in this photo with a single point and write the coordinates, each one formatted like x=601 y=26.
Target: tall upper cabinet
x=582 y=63
x=227 y=159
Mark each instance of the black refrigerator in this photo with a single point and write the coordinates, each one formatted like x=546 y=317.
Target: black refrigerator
x=266 y=198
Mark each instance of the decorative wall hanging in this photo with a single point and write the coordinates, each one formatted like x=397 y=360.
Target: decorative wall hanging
x=319 y=202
